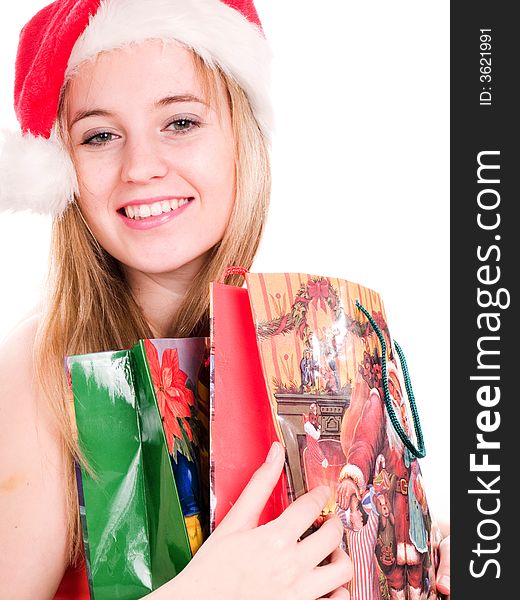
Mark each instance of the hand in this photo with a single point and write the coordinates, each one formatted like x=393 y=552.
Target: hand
x=243 y=560
x=443 y=572
x=345 y=490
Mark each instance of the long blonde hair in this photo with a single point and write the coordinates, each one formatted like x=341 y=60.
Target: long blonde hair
x=88 y=306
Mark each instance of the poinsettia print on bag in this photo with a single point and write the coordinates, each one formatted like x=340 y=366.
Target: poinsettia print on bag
x=177 y=369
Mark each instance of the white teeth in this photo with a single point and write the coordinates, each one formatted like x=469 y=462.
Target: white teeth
x=144 y=211
x=156 y=209
x=141 y=211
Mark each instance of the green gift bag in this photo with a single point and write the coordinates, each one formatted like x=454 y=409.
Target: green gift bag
x=139 y=424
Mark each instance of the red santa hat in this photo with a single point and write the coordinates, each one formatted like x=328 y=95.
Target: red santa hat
x=36 y=171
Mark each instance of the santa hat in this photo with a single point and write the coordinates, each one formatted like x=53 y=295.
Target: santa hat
x=36 y=171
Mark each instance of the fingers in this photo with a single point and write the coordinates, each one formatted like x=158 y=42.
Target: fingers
x=340 y=566
x=302 y=513
x=330 y=577
x=314 y=548
x=443 y=572
x=247 y=509
x=339 y=594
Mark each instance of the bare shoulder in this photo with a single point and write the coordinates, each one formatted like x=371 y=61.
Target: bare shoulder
x=16 y=369
x=18 y=392
x=20 y=340
x=32 y=479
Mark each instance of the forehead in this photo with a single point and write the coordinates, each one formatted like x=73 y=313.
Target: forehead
x=134 y=75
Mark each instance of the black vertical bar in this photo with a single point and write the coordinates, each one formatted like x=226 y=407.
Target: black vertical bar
x=485 y=262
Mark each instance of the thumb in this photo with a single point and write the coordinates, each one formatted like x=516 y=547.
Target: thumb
x=246 y=511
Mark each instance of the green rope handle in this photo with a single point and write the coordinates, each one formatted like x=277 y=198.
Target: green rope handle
x=419 y=452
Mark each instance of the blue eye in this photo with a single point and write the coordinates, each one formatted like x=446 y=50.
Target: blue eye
x=99 y=139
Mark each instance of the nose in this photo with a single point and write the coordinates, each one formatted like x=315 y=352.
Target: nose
x=143 y=160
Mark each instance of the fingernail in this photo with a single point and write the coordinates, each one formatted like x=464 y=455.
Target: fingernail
x=273 y=452
x=445 y=581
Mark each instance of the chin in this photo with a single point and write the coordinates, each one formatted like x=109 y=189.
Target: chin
x=164 y=265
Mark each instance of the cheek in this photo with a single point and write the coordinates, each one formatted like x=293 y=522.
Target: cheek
x=213 y=174
x=97 y=178
x=218 y=161
x=94 y=207
x=97 y=182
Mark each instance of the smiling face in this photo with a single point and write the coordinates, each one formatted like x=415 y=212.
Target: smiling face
x=155 y=161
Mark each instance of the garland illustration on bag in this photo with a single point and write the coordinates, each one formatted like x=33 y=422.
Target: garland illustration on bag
x=325 y=365
x=318 y=293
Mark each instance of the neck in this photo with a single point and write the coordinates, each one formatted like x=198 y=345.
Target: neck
x=160 y=294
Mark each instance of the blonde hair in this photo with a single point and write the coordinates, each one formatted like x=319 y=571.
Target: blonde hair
x=88 y=305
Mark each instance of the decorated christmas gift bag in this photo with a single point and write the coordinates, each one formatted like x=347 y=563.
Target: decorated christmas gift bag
x=310 y=361
x=142 y=420
x=242 y=428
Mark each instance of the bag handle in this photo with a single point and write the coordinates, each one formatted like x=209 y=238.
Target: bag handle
x=234 y=270
x=420 y=451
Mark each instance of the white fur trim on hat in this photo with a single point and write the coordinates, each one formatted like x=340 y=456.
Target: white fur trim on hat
x=35 y=174
x=215 y=31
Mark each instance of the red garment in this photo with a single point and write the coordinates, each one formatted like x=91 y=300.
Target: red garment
x=74 y=585
x=312 y=434
x=313 y=446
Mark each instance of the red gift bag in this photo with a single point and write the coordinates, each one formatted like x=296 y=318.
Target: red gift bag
x=309 y=361
x=241 y=427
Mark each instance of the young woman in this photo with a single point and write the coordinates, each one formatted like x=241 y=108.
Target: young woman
x=146 y=127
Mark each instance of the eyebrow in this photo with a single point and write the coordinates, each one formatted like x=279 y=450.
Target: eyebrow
x=179 y=98
x=166 y=101
x=83 y=114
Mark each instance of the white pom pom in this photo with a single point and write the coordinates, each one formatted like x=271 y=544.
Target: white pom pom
x=36 y=174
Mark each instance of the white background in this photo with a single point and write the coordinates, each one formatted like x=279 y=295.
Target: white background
x=360 y=176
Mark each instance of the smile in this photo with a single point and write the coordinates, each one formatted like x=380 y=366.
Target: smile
x=143 y=211
x=149 y=213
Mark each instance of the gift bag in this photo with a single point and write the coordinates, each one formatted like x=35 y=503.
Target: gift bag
x=142 y=420
x=310 y=361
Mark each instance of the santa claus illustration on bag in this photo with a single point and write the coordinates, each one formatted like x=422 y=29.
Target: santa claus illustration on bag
x=375 y=455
